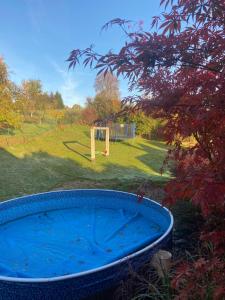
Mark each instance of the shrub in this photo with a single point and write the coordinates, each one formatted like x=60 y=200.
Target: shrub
x=146 y=126
x=181 y=66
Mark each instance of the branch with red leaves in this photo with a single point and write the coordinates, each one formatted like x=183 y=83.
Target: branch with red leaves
x=177 y=73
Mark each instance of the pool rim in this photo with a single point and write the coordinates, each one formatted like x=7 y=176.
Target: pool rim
x=81 y=274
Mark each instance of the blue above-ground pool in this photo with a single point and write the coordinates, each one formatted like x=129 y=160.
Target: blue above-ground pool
x=72 y=244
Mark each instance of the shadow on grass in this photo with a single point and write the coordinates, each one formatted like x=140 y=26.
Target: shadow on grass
x=156 y=150
x=68 y=144
x=157 y=145
x=39 y=172
x=77 y=142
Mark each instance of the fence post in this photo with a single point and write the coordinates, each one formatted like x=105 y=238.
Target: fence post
x=107 y=141
x=92 y=143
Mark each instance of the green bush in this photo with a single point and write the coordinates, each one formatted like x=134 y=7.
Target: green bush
x=145 y=126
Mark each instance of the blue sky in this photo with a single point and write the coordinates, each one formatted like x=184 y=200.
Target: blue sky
x=36 y=37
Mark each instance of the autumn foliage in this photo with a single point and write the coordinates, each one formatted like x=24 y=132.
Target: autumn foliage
x=178 y=68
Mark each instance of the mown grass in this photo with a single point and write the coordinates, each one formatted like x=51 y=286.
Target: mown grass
x=53 y=157
x=27 y=129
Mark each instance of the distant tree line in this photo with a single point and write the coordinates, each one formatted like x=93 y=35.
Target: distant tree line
x=106 y=105
x=29 y=103
x=26 y=102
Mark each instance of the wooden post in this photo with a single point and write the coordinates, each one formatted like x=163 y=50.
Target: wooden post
x=106 y=152
x=92 y=143
x=107 y=141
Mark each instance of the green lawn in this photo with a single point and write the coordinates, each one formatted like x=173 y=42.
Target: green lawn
x=53 y=157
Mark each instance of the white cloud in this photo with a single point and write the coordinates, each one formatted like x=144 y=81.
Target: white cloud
x=69 y=86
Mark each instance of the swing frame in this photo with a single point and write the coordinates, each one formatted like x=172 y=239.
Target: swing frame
x=106 y=152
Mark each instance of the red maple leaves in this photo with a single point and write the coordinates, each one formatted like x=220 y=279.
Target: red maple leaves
x=179 y=73
x=198 y=279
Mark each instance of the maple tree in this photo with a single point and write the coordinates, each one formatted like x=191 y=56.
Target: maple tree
x=176 y=71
